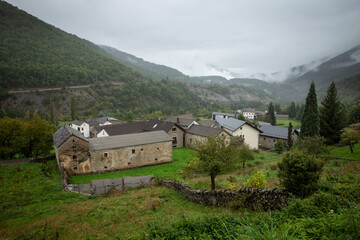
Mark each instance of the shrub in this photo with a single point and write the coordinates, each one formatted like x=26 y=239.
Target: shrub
x=279 y=146
x=313 y=145
x=299 y=173
x=257 y=180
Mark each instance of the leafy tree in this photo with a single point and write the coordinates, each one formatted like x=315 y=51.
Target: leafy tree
x=241 y=117
x=10 y=132
x=129 y=116
x=292 y=110
x=313 y=145
x=310 y=125
x=212 y=158
x=257 y=180
x=290 y=140
x=73 y=108
x=270 y=115
x=331 y=116
x=36 y=139
x=350 y=137
x=299 y=173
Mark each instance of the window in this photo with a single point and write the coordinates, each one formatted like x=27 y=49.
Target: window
x=240 y=128
x=106 y=154
x=74 y=157
x=174 y=129
x=155 y=159
x=73 y=140
x=82 y=129
x=133 y=151
x=105 y=167
x=128 y=163
x=174 y=140
x=78 y=128
x=75 y=168
x=264 y=138
x=142 y=149
x=157 y=148
x=274 y=140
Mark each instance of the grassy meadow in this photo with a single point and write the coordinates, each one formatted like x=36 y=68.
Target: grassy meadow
x=33 y=206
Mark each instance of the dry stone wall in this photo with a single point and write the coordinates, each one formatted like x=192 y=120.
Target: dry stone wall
x=103 y=186
x=253 y=198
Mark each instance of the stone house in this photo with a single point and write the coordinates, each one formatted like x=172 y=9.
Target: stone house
x=271 y=134
x=172 y=129
x=239 y=128
x=82 y=127
x=196 y=134
x=76 y=154
x=185 y=121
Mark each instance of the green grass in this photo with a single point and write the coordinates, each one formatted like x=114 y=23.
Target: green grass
x=344 y=152
x=285 y=123
x=181 y=156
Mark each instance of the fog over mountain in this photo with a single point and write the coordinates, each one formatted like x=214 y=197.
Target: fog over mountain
x=207 y=37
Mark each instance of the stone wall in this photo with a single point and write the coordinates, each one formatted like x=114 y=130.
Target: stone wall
x=177 y=132
x=253 y=198
x=103 y=186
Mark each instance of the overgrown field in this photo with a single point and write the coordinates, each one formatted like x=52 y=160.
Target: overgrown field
x=33 y=206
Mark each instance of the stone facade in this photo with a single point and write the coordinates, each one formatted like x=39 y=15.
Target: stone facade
x=177 y=134
x=253 y=198
x=192 y=139
x=130 y=157
x=267 y=142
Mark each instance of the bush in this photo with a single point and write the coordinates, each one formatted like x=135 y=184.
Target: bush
x=279 y=146
x=299 y=173
x=313 y=145
x=257 y=180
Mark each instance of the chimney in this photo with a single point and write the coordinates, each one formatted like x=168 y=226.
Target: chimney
x=177 y=120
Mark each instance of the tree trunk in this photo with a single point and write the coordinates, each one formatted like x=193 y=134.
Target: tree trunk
x=212 y=182
x=351 y=149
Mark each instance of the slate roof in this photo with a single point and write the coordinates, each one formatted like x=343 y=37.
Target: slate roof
x=248 y=110
x=204 y=131
x=232 y=123
x=121 y=129
x=156 y=125
x=273 y=131
x=183 y=120
x=207 y=123
x=128 y=140
x=64 y=133
x=77 y=122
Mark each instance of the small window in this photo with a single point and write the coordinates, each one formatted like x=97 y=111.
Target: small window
x=240 y=128
x=174 y=140
x=78 y=128
x=73 y=140
x=128 y=163
x=74 y=157
x=105 y=167
x=155 y=159
x=142 y=149
x=274 y=140
x=75 y=168
x=174 y=129
x=157 y=148
x=133 y=151
x=264 y=138
x=106 y=154
x=82 y=129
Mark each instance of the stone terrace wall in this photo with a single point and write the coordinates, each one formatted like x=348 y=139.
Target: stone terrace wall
x=253 y=198
x=103 y=186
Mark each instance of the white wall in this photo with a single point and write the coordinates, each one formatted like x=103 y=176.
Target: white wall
x=251 y=135
x=102 y=133
x=83 y=128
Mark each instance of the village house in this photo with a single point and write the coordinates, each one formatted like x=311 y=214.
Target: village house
x=82 y=127
x=172 y=129
x=196 y=134
x=185 y=121
x=222 y=115
x=207 y=123
x=271 y=134
x=239 y=128
x=249 y=113
x=76 y=154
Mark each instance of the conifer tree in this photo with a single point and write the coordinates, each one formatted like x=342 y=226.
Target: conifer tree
x=73 y=108
x=310 y=123
x=270 y=115
x=290 y=141
x=292 y=110
x=331 y=116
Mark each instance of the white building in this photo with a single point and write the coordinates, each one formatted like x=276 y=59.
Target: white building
x=249 y=113
x=82 y=127
x=242 y=129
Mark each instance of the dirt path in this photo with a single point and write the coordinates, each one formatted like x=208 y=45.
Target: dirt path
x=57 y=88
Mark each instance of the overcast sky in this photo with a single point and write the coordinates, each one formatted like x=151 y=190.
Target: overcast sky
x=192 y=36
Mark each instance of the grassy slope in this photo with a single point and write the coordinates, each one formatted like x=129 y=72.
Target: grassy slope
x=285 y=123
x=344 y=152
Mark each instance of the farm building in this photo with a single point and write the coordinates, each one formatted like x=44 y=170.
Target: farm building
x=271 y=134
x=197 y=133
x=76 y=154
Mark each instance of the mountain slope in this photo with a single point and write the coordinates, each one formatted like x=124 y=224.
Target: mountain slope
x=336 y=69
x=34 y=54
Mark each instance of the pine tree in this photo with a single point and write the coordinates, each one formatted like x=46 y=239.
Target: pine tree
x=270 y=115
x=292 y=110
x=290 y=140
x=310 y=123
x=331 y=116
x=73 y=108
